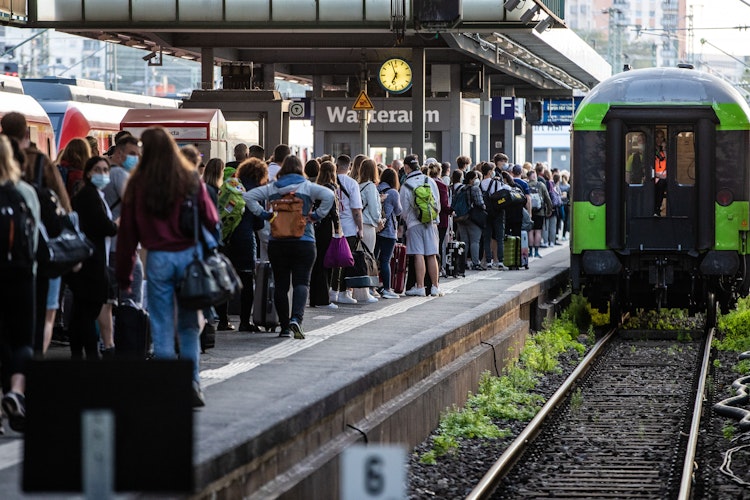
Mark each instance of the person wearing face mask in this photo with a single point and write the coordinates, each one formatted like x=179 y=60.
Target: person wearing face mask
x=90 y=285
x=125 y=156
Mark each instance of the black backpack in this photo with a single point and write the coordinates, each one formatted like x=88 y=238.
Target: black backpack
x=17 y=229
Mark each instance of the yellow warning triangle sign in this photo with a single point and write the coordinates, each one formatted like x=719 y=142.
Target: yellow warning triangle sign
x=363 y=102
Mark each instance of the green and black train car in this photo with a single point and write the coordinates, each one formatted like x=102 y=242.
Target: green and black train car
x=660 y=184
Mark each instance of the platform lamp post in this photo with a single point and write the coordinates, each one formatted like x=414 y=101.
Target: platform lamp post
x=364 y=114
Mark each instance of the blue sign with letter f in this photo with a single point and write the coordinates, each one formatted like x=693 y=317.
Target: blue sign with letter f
x=503 y=108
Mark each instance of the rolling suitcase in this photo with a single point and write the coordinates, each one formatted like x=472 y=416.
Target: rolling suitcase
x=398 y=268
x=512 y=252
x=132 y=330
x=264 y=308
x=455 y=258
x=524 y=249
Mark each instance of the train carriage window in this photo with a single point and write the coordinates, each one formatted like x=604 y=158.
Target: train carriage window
x=634 y=163
x=685 y=157
x=590 y=154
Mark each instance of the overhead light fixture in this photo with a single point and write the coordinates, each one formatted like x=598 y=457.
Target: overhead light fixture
x=511 y=4
x=527 y=16
x=543 y=25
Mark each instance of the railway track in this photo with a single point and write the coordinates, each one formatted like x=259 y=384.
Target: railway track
x=624 y=425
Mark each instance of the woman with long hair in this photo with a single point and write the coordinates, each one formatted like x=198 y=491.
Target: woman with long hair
x=16 y=297
x=72 y=160
x=386 y=239
x=91 y=285
x=291 y=259
x=368 y=179
x=151 y=215
x=320 y=278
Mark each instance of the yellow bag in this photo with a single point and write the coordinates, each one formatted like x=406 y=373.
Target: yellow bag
x=288 y=221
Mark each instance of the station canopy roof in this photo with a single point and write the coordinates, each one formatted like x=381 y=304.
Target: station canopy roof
x=527 y=47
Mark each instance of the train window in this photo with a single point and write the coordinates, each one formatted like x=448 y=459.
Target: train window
x=590 y=155
x=634 y=147
x=685 y=157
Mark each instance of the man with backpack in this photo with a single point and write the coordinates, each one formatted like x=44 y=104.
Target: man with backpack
x=421 y=209
x=495 y=228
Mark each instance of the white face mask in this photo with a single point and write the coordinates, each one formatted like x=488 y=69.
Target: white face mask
x=477 y=181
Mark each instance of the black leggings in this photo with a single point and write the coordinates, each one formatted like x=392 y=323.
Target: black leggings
x=83 y=333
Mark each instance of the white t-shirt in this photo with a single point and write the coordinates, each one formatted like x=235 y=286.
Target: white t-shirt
x=347 y=203
x=273 y=169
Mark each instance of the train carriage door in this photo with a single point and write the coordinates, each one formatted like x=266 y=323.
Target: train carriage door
x=659 y=166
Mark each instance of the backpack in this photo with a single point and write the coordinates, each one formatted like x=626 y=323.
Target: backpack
x=461 y=204
x=536 y=197
x=424 y=202
x=231 y=206
x=288 y=221
x=554 y=194
x=17 y=229
x=490 y=200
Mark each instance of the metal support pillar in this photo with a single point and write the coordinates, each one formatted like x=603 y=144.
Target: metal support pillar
x=364 y=115
x=485 y=115
x=418 y=102
x=207 y=68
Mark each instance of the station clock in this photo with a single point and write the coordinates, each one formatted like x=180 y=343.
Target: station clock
x=395 y=76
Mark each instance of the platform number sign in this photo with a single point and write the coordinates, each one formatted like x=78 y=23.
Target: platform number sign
x=373 y=472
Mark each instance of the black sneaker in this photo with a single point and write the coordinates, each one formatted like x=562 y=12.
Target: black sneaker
x=296 y=328
x=14 y=406
x=248 y=327
x=286 y=333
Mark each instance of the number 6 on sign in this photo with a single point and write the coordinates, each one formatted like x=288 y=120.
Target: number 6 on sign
x=369 y=472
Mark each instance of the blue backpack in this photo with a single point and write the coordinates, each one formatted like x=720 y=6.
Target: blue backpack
x=461 y=204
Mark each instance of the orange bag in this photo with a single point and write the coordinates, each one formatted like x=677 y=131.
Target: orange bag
x=289 y=221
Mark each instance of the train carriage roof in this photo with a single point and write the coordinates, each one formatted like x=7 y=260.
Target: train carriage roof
x=655 y=87
x=664 y=85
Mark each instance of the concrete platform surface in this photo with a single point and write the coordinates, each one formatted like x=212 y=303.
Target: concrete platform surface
x=257 y=382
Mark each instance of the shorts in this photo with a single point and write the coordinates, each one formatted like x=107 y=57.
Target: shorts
x=422 y=239
x=53 y=293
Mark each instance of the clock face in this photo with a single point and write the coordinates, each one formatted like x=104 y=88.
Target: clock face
x=395 y=76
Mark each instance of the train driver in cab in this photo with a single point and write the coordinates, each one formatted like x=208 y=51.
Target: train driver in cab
x=660 y=169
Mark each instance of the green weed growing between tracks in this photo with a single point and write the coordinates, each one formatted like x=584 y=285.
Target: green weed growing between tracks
x=510 y=396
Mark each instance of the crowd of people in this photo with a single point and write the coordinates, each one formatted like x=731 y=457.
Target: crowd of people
x=130 y=202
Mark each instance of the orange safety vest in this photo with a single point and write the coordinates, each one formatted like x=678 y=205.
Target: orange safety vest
x=660 y=167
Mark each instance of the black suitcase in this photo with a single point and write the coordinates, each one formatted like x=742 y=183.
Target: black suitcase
x=455 y=258
x=132 y=331
x=264 y=308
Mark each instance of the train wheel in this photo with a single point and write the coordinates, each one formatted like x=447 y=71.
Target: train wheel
x=712 y=310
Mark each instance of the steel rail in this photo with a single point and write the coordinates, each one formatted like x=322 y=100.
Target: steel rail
x=689 y=463
x=499 y=468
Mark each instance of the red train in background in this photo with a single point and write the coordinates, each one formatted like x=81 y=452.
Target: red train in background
x=60 y=109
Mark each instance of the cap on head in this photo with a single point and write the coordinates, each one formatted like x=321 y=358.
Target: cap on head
x=430 y=161
x=517 y=169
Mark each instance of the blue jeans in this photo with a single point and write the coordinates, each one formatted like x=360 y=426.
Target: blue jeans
x=164 y=272
x=384 y=251
x=495 y=226
x=291 y=260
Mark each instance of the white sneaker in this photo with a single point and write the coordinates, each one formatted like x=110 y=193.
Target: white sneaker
x=346 y=298
x=436 y=292
x=374 y=293
x=390 y=294
x=369 y=299
x=333 y=296
x=415 y=291
x=328 y=306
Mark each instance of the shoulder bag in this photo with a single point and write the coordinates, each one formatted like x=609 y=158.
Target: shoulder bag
x=209 y=281
x=62 y=245
x=338 y=254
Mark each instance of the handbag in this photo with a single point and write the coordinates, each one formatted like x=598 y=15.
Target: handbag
x=478 y=216
x=526 y=223
x=57 y=256
x=338 y=254
x=365 y=263
x=211 y=280
x=61 y=245
x=512 y=197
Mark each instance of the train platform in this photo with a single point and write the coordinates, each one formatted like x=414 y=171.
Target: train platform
x=280 y=411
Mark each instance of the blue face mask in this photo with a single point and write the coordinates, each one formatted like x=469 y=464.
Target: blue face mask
x=100 y=180
x=130 y=162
